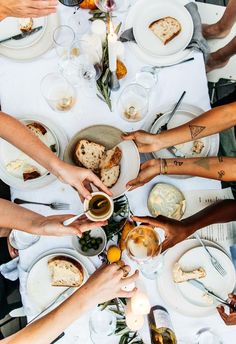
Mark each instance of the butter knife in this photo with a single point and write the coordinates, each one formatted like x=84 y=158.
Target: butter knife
x=22 y=35
x=60 y=298
x=175 y=152
x=202 y=287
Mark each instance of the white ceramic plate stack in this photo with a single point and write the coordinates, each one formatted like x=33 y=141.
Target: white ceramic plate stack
x=148 y=47
x=186 y=298
x=39 y=289
x=10 y=153
x=30 y=46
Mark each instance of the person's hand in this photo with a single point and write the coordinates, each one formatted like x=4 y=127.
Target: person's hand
x=145 y=142
x=229 y=319
x=12 y=250
x=175 y=231
x=80 y=178
x=148 y=170
x=107 y=282
x=53 y=225
x=27 y=8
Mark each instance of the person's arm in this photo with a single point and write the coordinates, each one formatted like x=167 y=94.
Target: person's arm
x=219 y=168
x=14 y=216
x=210 y=122
x=17 y=134
x=26 y=8
x=105 y=284
x=177 y=231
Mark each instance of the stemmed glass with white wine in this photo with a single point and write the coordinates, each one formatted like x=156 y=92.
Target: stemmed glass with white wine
x=109 y=6
x=143 y=245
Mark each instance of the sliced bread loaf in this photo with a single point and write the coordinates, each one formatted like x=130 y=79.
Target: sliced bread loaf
x=166 y=28
x=89 y=154
x=110 y=176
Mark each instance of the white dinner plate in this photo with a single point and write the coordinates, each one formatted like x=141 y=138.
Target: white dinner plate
x=220 y=285
x=10 y=27
x=167 y=287
x=135 y=12
x=149 y=42
x=39 y=47
x=110 y=137
x=181 y=116
x=39 y=289
x=9 y=153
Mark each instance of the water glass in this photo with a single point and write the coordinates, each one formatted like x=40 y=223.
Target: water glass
x=21 y=240
x=133 y=103
x=58 y=92
x=207 y=336
x=102 y=325
x=63 y=38
x=143 y=245
x=113 y=5
x=71 y=3
x=147 y=77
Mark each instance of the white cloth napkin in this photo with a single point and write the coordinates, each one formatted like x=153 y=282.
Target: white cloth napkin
x=9 y=270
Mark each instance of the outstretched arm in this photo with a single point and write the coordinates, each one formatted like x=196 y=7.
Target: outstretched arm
x=210 y=122
x=105 y=284
x=17 y=134
x=177 y=231
x=219 y=168
x=14 y=216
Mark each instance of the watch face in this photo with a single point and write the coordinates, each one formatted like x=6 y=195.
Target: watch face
x=71 y=2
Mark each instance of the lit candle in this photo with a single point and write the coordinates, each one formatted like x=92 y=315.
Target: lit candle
x=134 y=321
x=112 y=40
x=99 y=28
x=140 y=303
x=120 y=50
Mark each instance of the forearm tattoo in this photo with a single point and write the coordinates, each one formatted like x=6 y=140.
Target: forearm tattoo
x=195 y=130
x=178 y=163
x=220 y=159
x=221 y=174
x=203 y=162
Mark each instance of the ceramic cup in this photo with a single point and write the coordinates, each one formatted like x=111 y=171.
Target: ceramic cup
x=104 y=216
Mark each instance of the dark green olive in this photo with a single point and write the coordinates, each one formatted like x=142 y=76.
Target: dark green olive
x=84 y=248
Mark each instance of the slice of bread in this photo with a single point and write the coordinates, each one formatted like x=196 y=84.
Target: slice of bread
x=110 y=176
x=180 y=276
x=166 y=28
x=37 y=128
x=30 y=172
x=26 y=24
x=112 y=158
x=89 y=154
x=65 y=272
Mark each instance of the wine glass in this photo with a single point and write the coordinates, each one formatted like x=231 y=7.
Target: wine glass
x=71 y=3
x=143 y=245
x=147 y=77
x=207 y=336
x=102 y=325
x=58 y=92
x=109 y=6
x=133 y=103
x=21 y=240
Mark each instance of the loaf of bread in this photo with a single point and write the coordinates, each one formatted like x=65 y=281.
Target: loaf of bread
x=110 y=176
x=37 y=128
x=26 y=24
x=166 y=28
x=65 y=272
x=111 y=158
x=180 y=276
x=89 y=154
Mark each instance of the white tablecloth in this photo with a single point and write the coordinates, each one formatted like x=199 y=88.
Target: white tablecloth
x=20 y=95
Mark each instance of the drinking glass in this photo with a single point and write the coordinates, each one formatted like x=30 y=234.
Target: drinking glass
x=22 y=240
x=102 y=325
x=133 y=103
x=207 y=336
x=63 y=38
x=112 y=5
x=58 y=92
x=143 y=245
x=147 y=77
x=71 y=3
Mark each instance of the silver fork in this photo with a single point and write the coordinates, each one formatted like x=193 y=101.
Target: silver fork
x=219 y=268
x=53 y=205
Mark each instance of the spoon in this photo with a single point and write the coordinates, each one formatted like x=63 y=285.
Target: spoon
x=96 y=205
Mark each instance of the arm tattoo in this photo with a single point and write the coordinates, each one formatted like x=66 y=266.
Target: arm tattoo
x=221 y=174
x=178 y=163
x=220 y=159
x=195 y=130
x=203 y=162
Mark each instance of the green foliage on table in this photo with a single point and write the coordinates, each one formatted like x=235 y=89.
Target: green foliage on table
x=127 y=336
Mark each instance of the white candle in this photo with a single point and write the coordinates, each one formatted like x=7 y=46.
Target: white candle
x=120 y=50
x=98 y=27
x=140 y=303
x=112 y=40
x=92 y=46
x=133 y=321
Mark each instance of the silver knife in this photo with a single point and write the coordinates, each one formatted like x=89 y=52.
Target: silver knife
x=177 y=105
x=202 y=287
x=22 y=35
x=176 y=152
x=60 y=298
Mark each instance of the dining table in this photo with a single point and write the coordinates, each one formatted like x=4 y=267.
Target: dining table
x=20 y=96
